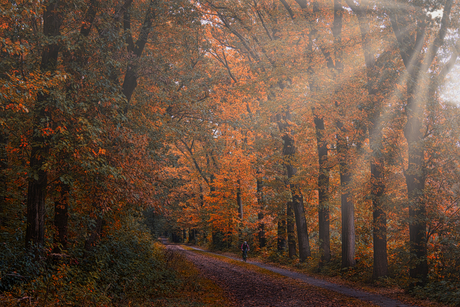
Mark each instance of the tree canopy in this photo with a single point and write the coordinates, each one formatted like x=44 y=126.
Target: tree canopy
x=323 y=131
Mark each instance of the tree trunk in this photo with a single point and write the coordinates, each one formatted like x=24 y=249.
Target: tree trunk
x=290 y=230
x=301 y=224
x=131 y=75
x=239 y=201
x=379 y=218
x=415 y=181
x=297 y=203
x=323 y=193
x=3 y=177
x=348 y=223
x=379 y=221
x=418 y=53
x=191 y=236
x=36 y=195
x=36 y=192
x=260 y=215
x=377 y=161
x=281 y=232
x=61 y=205
x=61 y=217
x=346 y=202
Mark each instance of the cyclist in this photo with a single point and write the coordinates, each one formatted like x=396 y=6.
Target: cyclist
x=245 y=249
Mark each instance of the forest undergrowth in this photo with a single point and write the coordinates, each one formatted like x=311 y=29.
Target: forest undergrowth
x=128 y=268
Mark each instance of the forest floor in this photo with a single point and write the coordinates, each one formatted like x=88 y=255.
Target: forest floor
x=258 y=284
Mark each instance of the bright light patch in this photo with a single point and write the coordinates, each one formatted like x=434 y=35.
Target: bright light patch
x=451 y=88
x=435 y=14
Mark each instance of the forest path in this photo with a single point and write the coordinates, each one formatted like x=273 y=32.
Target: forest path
x=247 y=286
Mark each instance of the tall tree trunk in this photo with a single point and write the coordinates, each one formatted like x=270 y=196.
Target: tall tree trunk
x=346 y=202
x=61 y=217
x=323 y=193
x=323 y=172
x=377 y=165
x=239 y=201
x=415 y=181
x=260 y=215
x=377 y=160
x=61 y=205
x=191 y=236
x=136 y=48
x=379 y=218
x=347 y=208
x=202 y=229
x=297 y=203
x=290 y=229
x=281 y=232
x=3 y=177
x=418 y=55
x=301 y=224
x=36 y=192
x=130 y=78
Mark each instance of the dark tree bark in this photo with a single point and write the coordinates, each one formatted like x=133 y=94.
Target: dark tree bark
x=36 y=192
x=343 y=148
x=239 y=201
x=415 y=180
x=297 y=203
x=61 y=217
x=3 y=177
x=323 y=171
x=61 y=204
x=417 y=59
x=130 y=79
x=301 y=224
x=347 y=206
x=377 y=160
x=281 y=231
x=260 y=215
x=136 y=49
x=323 y=192
x=191 y=236
x=290 y=230
x=379 y=219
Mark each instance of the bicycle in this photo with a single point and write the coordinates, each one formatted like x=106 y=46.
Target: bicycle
x=245 y=249
x=245 y=255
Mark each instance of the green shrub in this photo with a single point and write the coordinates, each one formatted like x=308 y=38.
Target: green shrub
x=126 y=268
x=446 y=292
x=131 y=266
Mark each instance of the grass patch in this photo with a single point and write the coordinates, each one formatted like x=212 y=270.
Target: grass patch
x=194 y=290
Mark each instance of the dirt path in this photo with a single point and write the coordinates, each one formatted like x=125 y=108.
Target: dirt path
x=248 y=288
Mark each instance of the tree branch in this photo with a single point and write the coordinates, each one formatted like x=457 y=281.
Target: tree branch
x=439 y=40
